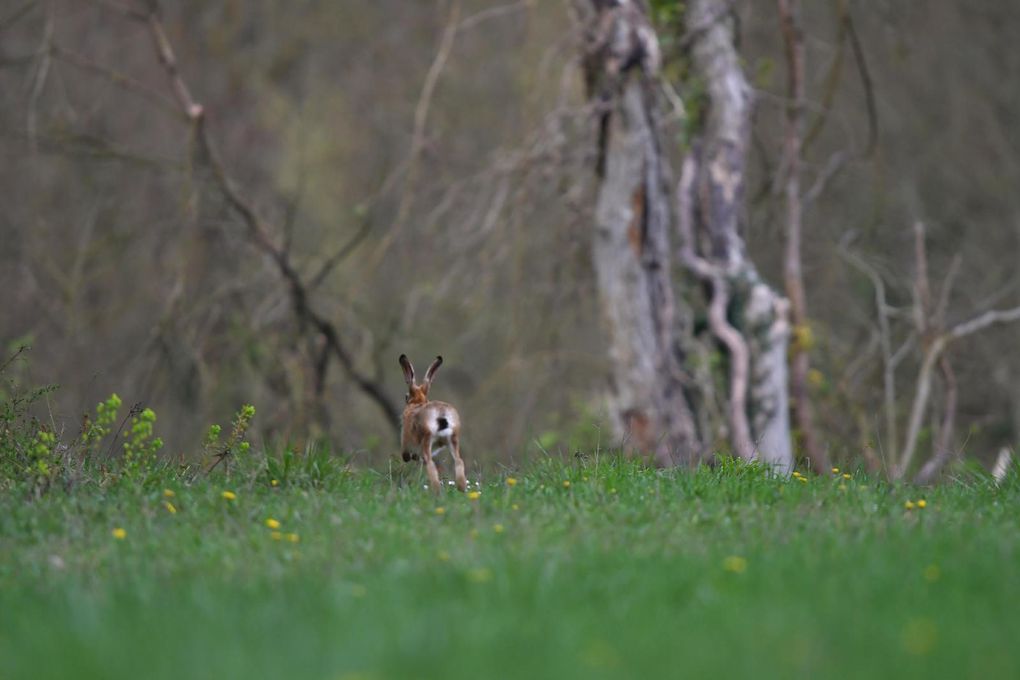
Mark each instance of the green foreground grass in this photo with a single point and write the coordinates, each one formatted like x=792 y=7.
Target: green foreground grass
x=594 y=569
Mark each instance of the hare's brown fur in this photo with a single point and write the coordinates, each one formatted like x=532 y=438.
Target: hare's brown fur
x=428 y=423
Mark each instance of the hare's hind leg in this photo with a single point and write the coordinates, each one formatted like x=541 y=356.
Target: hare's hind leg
x=430 y=466
x=458 y=462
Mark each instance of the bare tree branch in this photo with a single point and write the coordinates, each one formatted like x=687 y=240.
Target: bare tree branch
x=923 y=391
x=39 y=81
x=258 y=230
x=793 y=276
x=885 y=341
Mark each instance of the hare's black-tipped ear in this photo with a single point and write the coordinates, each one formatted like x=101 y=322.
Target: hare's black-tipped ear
x=433 y=367
x=408 y=369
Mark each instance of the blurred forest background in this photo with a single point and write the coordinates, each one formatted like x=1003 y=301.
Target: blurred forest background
x=427 y=169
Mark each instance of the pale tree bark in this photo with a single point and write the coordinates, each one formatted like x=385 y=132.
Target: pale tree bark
x=631 y=242
x=760 y=314
x=793 y=41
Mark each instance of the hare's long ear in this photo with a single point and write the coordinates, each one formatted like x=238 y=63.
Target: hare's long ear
x=408 y=369
x=433 y=367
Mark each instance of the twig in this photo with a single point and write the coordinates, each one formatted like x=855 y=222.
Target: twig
x=888 y=358
x=258 y=230
x=119 y=79
x=832 y=167
x=869 y=89
x=421 y=113
x=135 y=410
x=39 y=81
x=920 y=404
x=341 y=254
x=800 y=360
x=944 y=450
x=494 y=12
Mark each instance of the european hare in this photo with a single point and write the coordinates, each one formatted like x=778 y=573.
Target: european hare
x=429 y=423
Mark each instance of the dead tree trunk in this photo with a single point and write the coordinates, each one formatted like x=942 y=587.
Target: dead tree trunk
x=753 y=308
x=631 y=242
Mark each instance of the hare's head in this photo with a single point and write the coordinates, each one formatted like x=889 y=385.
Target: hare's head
x=418 y=394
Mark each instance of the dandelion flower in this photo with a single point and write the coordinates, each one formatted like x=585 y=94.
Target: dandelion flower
x=566 y=483
x=474 y=495
x=510 y=481
x=170 y=507
x=498 y=528
x=613 y=490
x=229 y=496
x=909 y=505
x=847 y=475
x=168 y=493
x=735 y=564
x=922 y=503
x=802 y=478
x=277 y=535
x=272 y=523
x=119 y=533
x=440 y=510
x=293 y=538
x=515 y=507
x=274 y=482
x=835 y=470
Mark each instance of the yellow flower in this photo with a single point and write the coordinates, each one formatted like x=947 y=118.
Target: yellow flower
x=170 y=507
x=922 y=503
x=841 y=487
x=272 y=523
x=515 y=507
x=119 y=533
x=168 y=493
x=480 y=575
x=229 y=495
x=802 y=478
x=498 y=528
x=735 y=564
x=816 y=378
x=274 y=482
x=835 y=471
x=909 y=505
x=510 y=481
x=566 y=483
x=293 y=538
x=613 y=490
x=474 y=495
x=847 y=475
x=277 y=535
x=440 y=510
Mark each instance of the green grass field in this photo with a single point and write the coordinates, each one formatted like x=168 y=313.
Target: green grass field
x=593 y=569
